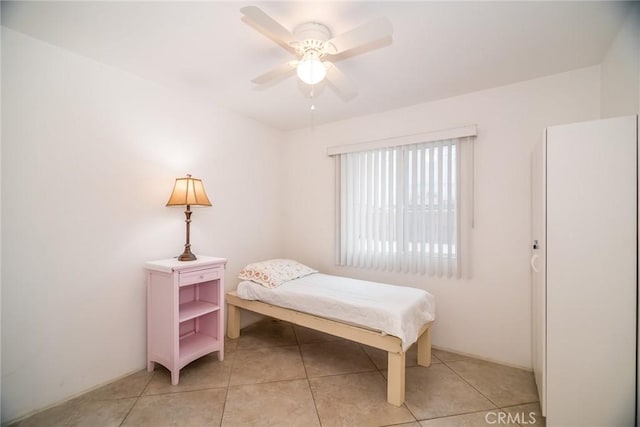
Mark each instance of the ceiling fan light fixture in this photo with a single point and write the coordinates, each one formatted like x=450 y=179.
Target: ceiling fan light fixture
x=310 y=69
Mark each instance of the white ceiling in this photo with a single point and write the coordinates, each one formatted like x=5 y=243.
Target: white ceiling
x=438 y=49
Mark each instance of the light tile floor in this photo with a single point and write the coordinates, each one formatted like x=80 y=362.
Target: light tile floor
x=277 y=374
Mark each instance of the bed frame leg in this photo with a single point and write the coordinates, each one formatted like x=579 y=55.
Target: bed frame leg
x=424 y=348
x=395 y=380
x=233 y=321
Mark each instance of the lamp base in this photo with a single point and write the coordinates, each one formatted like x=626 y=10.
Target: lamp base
x=187 y=255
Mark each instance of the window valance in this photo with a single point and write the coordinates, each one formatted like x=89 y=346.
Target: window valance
x=438 y=135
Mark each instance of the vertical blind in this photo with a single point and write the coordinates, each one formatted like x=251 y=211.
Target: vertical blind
x=399 y=208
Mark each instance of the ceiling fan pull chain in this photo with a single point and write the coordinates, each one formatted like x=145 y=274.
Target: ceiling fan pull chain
x=312 y=94
x=313 y=107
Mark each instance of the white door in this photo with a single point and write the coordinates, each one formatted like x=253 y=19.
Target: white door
x=538 y=283
x=591 y=273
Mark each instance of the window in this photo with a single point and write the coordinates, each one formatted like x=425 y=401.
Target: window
x=402 y=208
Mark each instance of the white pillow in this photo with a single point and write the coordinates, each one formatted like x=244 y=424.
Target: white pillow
x=274 y=272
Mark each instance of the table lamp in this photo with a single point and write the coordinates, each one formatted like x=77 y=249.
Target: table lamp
x=190 y=192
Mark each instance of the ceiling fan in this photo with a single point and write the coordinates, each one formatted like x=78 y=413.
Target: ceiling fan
x=313 y=44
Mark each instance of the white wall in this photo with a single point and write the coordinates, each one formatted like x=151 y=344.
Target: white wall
x=621 y=70
x=89 y=157
x=489 y=315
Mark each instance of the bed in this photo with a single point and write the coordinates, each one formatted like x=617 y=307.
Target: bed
x=387 y=317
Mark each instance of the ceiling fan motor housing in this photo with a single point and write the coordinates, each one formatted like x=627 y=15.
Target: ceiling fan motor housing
x=311 y=37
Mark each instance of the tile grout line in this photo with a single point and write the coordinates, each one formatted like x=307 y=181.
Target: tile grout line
x=472 y=386
x=455 y=415
x=306 y=374
x=498 y=407
x=139 y=396
x=193 y=390
x=467 y=382
x=226 y=392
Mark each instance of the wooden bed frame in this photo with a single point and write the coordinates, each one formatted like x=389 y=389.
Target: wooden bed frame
x=389 y=343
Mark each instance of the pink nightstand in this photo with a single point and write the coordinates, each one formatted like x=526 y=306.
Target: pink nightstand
x=185 y=311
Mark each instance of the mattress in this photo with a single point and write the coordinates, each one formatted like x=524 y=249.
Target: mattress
x=394 y=310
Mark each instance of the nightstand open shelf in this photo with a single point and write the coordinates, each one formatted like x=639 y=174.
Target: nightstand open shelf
x=194 y=346
x=191 y=310
x=185 y=311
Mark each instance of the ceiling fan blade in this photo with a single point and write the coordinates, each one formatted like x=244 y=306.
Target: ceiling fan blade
x=343 y=86
x=267 y=25
x=278 y=72
x=362 y=35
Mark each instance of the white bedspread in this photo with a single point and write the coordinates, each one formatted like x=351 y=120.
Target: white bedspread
x=394 y=310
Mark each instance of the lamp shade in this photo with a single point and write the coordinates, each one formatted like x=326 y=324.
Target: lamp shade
x=188 y=191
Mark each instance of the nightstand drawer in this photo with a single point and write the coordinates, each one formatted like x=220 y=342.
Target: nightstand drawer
x=191 y=277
